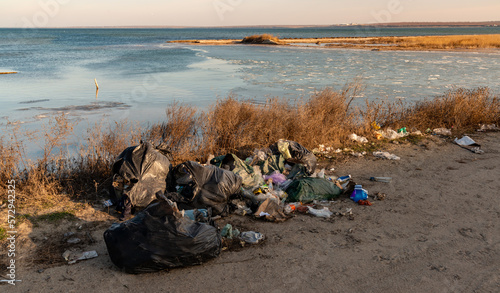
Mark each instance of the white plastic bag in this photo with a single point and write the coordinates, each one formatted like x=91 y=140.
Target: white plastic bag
x=323 y=213
x=386 y=155
x=360 y=139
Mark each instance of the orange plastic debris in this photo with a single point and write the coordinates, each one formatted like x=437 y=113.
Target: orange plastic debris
x=365 y=202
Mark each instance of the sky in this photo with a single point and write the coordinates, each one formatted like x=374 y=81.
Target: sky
x=68 y=13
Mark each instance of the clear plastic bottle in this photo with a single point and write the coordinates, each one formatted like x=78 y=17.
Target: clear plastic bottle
x=270 y=184
x=291 y=207
x=381 y=179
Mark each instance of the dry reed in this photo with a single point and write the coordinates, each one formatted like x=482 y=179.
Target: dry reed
x=230 y=125
x=430 y=42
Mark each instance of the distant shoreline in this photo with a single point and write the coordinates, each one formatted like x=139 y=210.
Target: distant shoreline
x=453 y=24
x=413 y=43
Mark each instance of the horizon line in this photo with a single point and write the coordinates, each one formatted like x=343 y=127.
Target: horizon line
x=401 y=23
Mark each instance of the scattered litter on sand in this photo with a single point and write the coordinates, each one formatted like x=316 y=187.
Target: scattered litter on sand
x=251 y=237
x=442 y=131
x=72 y=257
x=386 y=155
x=469 y=144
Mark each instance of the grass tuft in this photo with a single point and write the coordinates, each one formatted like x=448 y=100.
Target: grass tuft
x=3 y=234
x=55 y=217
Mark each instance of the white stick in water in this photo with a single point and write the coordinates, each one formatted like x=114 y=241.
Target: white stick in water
x=96 y=88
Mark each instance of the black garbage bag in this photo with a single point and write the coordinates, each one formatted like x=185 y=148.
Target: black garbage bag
x=204 y=186
x=138 y=173
x=294 y=152
x=160 y=238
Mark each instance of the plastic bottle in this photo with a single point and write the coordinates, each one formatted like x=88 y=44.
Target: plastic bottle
x=270 y=184
x=381 y=179
x=290 y=208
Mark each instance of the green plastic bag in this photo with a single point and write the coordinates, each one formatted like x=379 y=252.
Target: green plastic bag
x=232 y=163
x=271 y=164
x=306 y=190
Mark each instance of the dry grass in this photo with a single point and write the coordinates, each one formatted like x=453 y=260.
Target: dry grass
x=461 y=109
x=452 y=42
x=260 y=39
x=57 y=173
x=180 y=133
x=230 y=125
x=429 y=42
x=89 y=172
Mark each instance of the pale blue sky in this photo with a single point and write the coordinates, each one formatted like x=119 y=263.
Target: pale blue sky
x=62 y=13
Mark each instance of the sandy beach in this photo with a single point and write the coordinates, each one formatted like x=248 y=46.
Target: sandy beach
x=438 y=230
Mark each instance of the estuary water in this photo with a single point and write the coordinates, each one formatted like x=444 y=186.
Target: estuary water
x=139 y=74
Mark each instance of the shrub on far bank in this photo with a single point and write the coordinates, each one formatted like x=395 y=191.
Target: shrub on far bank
x=260 y=39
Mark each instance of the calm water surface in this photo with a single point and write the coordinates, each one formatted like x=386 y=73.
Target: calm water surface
x=139 y=74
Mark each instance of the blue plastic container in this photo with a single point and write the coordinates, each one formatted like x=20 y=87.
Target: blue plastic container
x=359 y=193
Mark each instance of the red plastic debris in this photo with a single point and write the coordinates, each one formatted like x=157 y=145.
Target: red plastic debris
x=365 y=202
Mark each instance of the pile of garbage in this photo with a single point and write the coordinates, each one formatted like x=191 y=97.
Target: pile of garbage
x=178 y=204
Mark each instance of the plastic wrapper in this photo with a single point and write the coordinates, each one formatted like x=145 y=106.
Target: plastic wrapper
x=250 y=176
x=323 y=213
x=386 y=155
x=271 y=211
x=294 y=152
x=357 y=138
x=276 y=176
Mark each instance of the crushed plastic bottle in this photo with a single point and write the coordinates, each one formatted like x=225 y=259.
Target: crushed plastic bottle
x=381 y=179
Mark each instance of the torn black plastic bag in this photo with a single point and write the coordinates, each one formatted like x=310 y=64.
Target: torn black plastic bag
x=236 y=165
x=204 y=186
x=139 y=172
x=294 y=152
x=308 y=189
x=160 y=238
